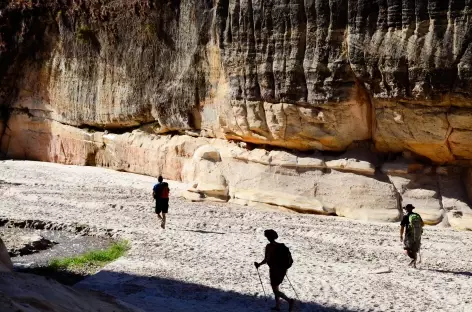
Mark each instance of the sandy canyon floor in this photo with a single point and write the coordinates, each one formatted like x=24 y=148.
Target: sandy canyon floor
x=203 y=260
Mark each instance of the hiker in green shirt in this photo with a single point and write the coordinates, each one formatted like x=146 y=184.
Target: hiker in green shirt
x=413 y=224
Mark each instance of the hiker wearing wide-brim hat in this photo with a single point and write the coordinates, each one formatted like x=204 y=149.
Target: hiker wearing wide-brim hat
x=279 y=259
x=413 y=224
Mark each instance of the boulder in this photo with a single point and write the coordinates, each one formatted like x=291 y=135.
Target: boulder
x=423 y=193
x=196 y=196
x=455 y=201
x=351 y=165
x=240 y=154
x=193 y=195
x=260 y=156
x=283 y=159
x=460 y=220
x=210 y=189
x=344 y=193
x=205 y=176
x=298 y=203
x=311 y=162
x=20 y=244
x=207 y=152
x=357 y=196
x=358 y=160
x=453 y=193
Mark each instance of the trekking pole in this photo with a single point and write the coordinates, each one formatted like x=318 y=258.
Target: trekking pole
x=260 y=279
x=292 y=287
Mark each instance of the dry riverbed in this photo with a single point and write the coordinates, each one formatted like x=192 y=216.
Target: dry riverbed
x=203 y=260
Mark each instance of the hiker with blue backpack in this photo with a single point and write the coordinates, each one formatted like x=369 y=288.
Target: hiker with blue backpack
x=413 y=224
x=279 y=260
x=160 y=192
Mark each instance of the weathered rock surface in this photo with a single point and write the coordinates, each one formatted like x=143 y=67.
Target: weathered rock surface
x=222 y=171
x=304 y=76
x=5 y=261
x=274 y=178
x=32 y=293
x=423 y=193
x=460 y=220
x=27 y=244
x=298 y=203
x=301 y=75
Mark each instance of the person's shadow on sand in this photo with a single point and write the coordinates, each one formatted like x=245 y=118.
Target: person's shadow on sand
x=451 y=272
x=162 y=294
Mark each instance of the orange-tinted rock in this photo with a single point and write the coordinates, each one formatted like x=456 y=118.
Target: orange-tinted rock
x=337 y=79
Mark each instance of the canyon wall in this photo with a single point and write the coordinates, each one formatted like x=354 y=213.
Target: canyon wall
x=141 y=85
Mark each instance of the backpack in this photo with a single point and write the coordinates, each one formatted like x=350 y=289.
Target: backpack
x=283 y=257
x=414 y=228
x=161 y=190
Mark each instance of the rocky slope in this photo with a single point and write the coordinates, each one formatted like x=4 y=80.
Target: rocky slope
x=301 y=75
x=31 y=293
x=5 y=261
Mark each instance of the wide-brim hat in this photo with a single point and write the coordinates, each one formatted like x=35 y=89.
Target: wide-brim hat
x=409 y=207
x=271 y=234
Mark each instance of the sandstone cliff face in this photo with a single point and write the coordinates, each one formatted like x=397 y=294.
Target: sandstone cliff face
x=303 y=75
x=298 y=74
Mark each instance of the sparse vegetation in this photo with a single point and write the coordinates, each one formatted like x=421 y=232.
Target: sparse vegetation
x=72 y=270
x=93 y=260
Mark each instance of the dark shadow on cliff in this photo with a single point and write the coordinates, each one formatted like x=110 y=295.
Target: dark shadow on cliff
x=444 y=186
x=148 y=293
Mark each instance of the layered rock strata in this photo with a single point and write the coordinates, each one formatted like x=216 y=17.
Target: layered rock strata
x=303 y=76
x=356 y=184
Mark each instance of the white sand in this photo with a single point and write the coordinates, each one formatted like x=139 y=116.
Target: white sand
x=203 y=260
